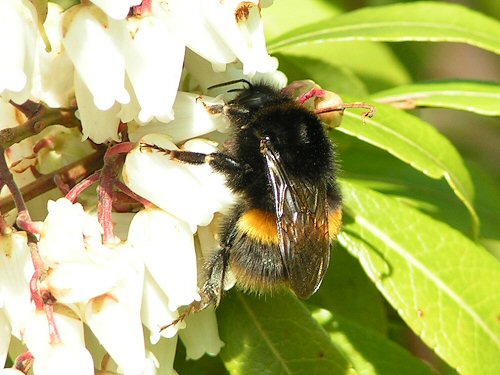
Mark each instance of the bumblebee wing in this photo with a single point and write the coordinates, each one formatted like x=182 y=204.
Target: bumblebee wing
x=302 y=222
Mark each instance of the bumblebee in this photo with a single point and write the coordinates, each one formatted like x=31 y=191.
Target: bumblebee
x=280 y=163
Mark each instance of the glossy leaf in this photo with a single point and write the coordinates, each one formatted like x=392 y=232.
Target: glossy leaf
x=444 y=286
x=418 y=21
x=370 y=352
x=206 y=365
x=376 y=169
x=275 y=336
x=474 y=96
x=328 y=75
x=418 y=144
x=278 y=21
x=384 y=71
x=348 y=293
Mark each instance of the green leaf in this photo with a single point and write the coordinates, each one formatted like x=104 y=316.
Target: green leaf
x=278 y=18
x=384 y=71
x=374 y=168
x=327 y=75
x=275 y=336
x=443 y=285
x=206 y=365
x=474 y=96
x=418 y=21
x=418 y=144
x=488 y=207
x=347 y=292
x=370 y=352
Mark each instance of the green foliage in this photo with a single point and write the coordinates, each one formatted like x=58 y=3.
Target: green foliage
x=416 y=216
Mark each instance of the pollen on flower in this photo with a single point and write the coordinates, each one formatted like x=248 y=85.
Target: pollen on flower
x=243 y=10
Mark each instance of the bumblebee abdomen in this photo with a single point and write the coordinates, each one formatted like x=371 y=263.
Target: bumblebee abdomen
x=251 y=237
x=257 y=265
x=334 y=223
x=259 y=226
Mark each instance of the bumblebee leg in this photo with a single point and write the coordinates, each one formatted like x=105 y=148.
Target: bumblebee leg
x=219 y=161
x=212 y=289
x=214 y=286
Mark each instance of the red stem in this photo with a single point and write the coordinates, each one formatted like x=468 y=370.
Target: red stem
x=125 y=189
x=82 y=185
x=53 y=331
x=113 y=159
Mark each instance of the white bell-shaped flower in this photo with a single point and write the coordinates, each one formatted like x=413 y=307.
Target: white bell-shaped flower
x=4 y=335
x=167 y=247
x=36 y=333
x=239 y=24
x=199 y=35
x=18 y=30
x=154 y=54
x=64 y=228
x=94 y=50
x=155 y=312
x=163 y=353
x=99 y=126
x=52 y=81
x=167 y=183
x=191 y=120
x=17 y=270
x=63 y=359
x=201 y=334
x=115 y=317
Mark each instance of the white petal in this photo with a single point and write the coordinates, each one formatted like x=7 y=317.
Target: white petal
x=69 y=282
x=191 y=120
x=62 y=359
x=119 y=330
x=11 y=371
x=62 y=233
x=153 y=72
x=115 y=316
x=121 y=224
x=168 y=184
x=129 y=111
x=4 y=336
x=164 y=354
x=52 y=80
x=116 y=9
x=99 y=126
x=92 y=48
x=17 y=270
x=151 y=366
x=18 y=22
x=36 y=333
x=214 y=183
x=155 y=313
x=244 y=35
x=201 y=334
x=200 y=36
x=208 y=237
x=205 y=75
x=167 y=246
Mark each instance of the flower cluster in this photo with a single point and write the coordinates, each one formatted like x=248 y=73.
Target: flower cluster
x=132 y=69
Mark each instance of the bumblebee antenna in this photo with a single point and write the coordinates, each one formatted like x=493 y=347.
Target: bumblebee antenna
x=341 y=107
x=231 y=83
